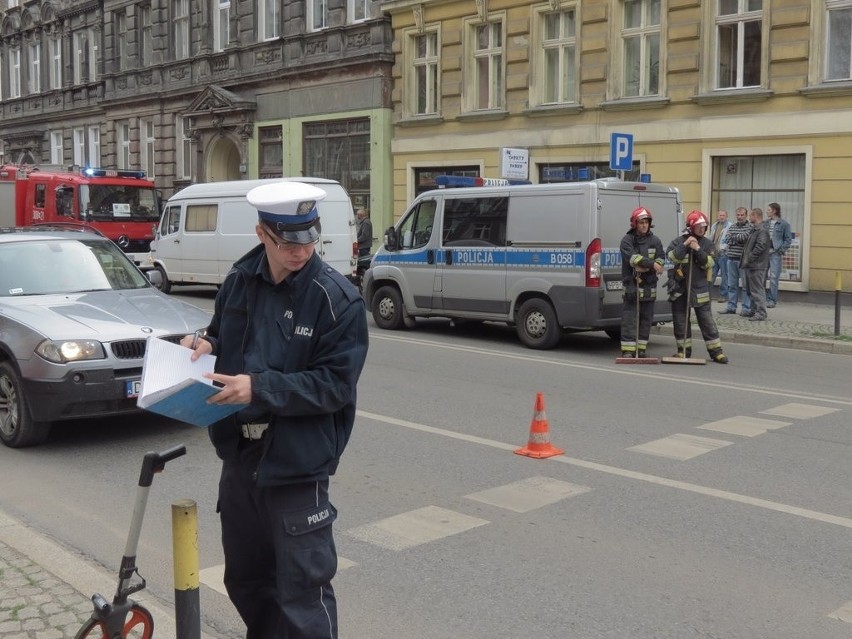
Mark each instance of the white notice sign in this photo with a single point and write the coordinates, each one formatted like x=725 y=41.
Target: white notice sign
x=515 y=164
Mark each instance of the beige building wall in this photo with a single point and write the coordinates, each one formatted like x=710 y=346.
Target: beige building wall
x=677 y=134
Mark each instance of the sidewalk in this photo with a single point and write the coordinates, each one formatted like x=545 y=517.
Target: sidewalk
x=42 y=584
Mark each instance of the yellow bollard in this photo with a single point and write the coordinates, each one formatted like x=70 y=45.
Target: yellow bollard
x=185 y=551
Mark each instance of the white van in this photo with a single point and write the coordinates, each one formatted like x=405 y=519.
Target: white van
x=544 y=258
x=205 y=228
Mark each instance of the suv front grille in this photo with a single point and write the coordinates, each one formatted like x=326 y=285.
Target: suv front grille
x=135 y=348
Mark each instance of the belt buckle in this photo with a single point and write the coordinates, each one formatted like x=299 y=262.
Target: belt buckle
x=253 y=430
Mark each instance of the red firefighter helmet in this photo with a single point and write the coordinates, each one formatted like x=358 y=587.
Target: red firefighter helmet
x=696 y=218
x=640 y=213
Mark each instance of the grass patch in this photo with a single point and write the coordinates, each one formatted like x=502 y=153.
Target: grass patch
x=839 y=338
x=13 y=613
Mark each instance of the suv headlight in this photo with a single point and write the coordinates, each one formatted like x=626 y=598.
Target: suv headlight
x=64 y=351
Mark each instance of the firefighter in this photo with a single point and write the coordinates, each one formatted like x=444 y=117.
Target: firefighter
x=691 y=256
x=642 y=262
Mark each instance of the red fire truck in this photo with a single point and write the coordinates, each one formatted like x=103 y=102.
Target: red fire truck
x=122 y=205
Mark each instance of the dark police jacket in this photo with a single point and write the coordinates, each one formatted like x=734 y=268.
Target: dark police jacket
x=318 y=344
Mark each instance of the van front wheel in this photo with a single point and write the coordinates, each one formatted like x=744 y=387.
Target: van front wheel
x=387 y=308
x=166 y=286
x=537 y=325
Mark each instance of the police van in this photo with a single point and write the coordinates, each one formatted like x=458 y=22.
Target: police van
x=543 y=258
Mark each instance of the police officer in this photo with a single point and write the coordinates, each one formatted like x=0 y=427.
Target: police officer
x=642 y=262
x=691 y=256
x=290 y=336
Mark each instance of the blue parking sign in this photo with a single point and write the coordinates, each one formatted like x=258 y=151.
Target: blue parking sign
x=621 y=151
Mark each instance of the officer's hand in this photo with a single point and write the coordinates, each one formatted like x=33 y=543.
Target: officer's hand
x=236 y=389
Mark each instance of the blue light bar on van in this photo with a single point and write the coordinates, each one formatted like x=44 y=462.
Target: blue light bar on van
x=96 y=172
x=458 y=181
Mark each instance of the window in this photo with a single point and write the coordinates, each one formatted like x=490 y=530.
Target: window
x=94 y=151
x=485 y=66
x=123 y=145
x=85 y=56
x=79 y=146
x=35 y=69
x=180 y=19
x=13 y=3
x=317 y=14
x=553 y=172
x=739 y=43
x=201 y=218
x=339 y=150
x=271 y=151
x=424 y=79
x=416 y=229
x=475 y=221
x=184 y=149
x=55 y=46
x=171 y=220
x=558 y=66
x=358 y=10
x=56 y=151
x=145 y=35
x=94 y=61
x=40 y=196
x=640 y=36
x=752 y=181
x=120 y=31
x=15 y=73
x=146 y=147
x=221 y=24
x=270 y=19
x=424 y=178
x=839 y=41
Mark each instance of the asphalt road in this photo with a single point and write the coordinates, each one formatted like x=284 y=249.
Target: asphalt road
x=707 y=501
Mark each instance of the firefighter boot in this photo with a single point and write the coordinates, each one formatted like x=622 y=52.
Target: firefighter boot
x=718 y=356
x=683 y=353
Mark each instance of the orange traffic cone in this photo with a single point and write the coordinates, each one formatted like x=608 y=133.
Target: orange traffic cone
x=539 y=442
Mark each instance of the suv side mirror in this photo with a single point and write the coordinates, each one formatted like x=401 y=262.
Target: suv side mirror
x=391 y=239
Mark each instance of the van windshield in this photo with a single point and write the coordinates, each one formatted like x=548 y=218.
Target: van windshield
x=119 y=202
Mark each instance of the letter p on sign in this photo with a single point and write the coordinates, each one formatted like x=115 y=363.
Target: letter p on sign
x=621 y=152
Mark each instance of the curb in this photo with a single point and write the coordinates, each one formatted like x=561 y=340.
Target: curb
x=834 y=347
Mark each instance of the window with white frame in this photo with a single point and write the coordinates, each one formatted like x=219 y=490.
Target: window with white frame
x=221 y=24
x=184 y=149
x=55 y=47
x=358 y=10
x=270 y=19
x=838 y=44
x=78 y=149
x=317 y=14
x=13 y=3
x=425 y=62
x=15 y=73
x=123 y=145
x=640 y=36
x=34 y=79
x=81 y=56
x=180 y=24
x=557 y=67
x=739 y=43
x=146 y=147
x=57 y=152
x=485 y=65
x=146 y=49
x=93 y=54
x=93 y=157
x=120 y=31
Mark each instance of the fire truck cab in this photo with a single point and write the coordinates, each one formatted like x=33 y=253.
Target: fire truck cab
x=122 y=205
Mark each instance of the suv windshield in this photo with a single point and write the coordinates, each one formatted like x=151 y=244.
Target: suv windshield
x=119 y=202
x=50 y=266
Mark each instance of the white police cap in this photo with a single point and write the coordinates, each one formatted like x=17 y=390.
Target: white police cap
x=289 y=209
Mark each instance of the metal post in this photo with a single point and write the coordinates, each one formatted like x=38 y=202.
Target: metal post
x=185 y=551
x=837 y=288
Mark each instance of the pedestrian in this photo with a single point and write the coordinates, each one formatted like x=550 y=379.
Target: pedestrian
x=642 y=261
x=754 y=262
x=720 y=259
x=290 y=338
x=735 y=240
x=782 y=238
x=691 y=257
x=365 y=232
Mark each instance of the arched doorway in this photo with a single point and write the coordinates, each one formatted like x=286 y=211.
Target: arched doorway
x=223 y=161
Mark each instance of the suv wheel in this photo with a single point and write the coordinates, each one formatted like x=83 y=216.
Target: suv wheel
x=17 y=427
x=537 y=326
x=387 y=308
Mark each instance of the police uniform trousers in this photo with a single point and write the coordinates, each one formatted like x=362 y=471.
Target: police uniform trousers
x=704 y=316
x=279 y=551
x=630 y=341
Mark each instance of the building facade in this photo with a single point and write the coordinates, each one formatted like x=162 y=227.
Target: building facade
x=201 y=90
x=735 y=102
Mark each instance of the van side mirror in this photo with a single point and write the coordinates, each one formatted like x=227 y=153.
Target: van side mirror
x=391 y=239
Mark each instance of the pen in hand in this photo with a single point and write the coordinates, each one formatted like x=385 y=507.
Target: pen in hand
x=195 y=337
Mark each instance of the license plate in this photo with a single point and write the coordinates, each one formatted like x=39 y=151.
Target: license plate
x=132 y=387
x=615 y=285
